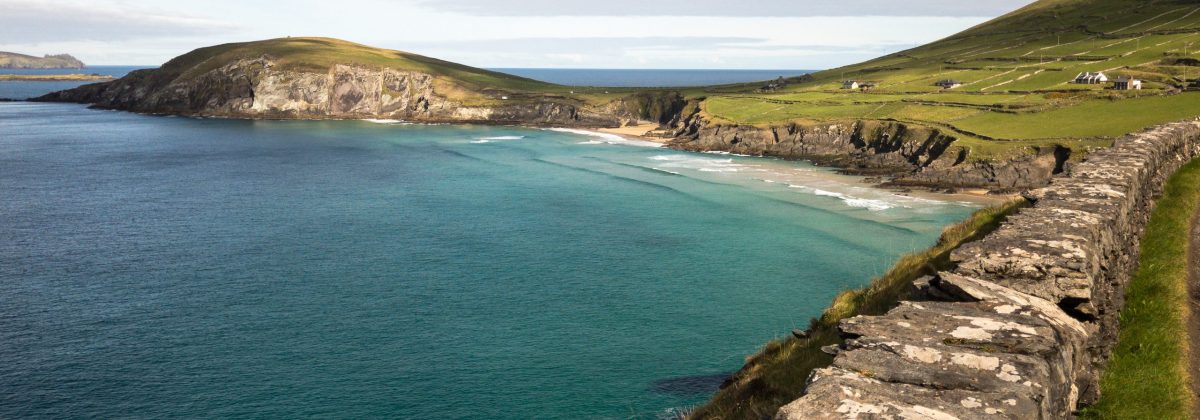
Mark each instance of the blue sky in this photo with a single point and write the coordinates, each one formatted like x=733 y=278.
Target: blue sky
x=746 y=34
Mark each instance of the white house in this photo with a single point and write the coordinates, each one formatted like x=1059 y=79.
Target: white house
x=1127 y=83
x=1089 y=78
x=850 y=84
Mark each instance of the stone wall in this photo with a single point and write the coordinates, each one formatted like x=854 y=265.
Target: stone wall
x=1024 y=324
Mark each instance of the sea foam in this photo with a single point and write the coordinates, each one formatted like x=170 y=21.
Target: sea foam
x=386 y=121
x=605 y=138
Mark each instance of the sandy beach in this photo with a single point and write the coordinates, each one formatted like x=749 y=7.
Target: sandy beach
x=635 y=132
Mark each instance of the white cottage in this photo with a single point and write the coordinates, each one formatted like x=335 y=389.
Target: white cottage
x=1089 y=78
x=850 y=84
x=1127 y=83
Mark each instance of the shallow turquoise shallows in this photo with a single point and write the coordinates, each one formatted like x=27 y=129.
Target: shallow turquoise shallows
x=156 y=267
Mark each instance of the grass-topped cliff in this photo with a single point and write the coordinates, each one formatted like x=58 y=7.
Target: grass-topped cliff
x=321 y=55
x=1016 y=74
x=331 y=78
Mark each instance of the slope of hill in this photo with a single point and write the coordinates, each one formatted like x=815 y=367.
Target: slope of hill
x=10 y=60
x=1016 y=79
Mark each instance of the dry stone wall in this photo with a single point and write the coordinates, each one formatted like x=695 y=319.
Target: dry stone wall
x=1023 y=325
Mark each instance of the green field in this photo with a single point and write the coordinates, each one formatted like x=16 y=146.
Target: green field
x=1016 y=73
x=1148 y=375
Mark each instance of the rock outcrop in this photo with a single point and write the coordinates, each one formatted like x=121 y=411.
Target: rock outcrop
x=1024 y=324
x=260 y=88
x=914 y=156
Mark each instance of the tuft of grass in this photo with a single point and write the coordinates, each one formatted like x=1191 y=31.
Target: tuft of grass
x=1147 y=377
x=776 y=375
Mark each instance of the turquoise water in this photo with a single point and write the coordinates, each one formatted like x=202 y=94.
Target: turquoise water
x=168 y=267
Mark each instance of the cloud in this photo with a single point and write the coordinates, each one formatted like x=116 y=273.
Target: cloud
x=28 y=21
x=742 y=8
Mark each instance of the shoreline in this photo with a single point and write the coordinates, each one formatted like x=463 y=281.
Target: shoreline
x=978 y=196
x=640 y=133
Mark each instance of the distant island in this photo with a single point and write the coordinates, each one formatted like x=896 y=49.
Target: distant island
x=54 y=77
x=9 y=60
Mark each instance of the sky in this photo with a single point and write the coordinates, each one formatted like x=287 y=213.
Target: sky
x=661 y=34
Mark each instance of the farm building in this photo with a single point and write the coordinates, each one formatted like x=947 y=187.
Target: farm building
x=1089 y=78
x=850 y=84
x=1127 y=83
x=948 y=84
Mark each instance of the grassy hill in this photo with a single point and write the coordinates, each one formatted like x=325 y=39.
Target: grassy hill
x=316 y=54
x=1016 y=73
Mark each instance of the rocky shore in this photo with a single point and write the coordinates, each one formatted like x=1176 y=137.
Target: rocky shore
x=910 y=156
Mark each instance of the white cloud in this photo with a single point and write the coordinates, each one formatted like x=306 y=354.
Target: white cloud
x=755 y=8
x=29 y=21
x=153 y=31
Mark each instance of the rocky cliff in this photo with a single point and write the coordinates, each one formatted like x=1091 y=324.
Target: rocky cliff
x=914 y=156
x=21 y=61
x=260 y=88
x=1024 y=324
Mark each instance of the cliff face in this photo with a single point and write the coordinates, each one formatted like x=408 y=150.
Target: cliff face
x=21 y=61
x=914 y=156
x=259 y=88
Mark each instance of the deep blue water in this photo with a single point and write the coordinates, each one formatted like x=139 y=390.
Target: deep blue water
x=157 y=267
x=27 y=89
x=649 y=78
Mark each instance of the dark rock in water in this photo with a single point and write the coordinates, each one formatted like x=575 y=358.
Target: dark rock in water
x=691 y=385
x=801 y=334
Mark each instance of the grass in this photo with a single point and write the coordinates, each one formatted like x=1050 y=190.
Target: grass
x=776 y=375
x=468 y=85
x=1015 y=70
x=1095 y=118
x=1147 y=377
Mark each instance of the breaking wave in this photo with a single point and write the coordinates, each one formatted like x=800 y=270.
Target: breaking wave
x=605 y=138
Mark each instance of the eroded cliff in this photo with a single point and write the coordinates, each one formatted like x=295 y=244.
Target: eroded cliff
x=261 y=88
x=914 y=156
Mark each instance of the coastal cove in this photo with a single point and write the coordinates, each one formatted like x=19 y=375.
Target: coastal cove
x=180 y=267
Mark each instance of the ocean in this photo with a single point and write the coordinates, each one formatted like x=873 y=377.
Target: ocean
x=31 y=89
x=158 y=267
